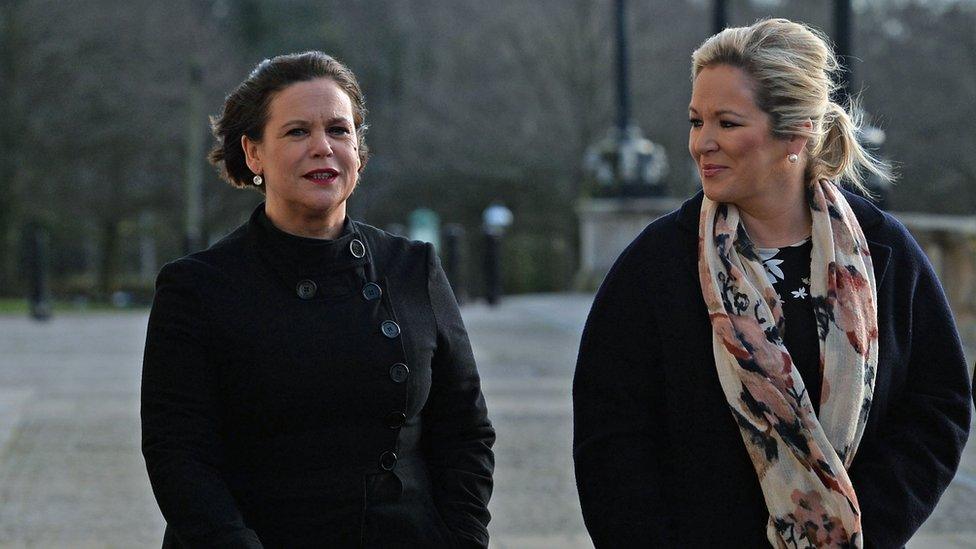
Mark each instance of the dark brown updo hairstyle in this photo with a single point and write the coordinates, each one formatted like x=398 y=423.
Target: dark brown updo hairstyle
x=246 y=108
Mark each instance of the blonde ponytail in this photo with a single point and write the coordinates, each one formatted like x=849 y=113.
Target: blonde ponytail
x=839 y=156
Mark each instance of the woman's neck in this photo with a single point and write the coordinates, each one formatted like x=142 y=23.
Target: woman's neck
x=319 y=226
x=777 y=222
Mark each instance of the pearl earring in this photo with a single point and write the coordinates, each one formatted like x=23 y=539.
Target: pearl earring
x=793 y=158
x=258 y=180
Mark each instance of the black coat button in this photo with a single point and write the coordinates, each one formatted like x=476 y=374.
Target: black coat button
x=399 y=372
x=390 y=329
x=388 y=460
x=356 y=248
x=305 y=289
x=395 y=420
x=372 y=291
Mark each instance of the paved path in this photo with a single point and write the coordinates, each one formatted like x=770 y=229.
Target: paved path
x=71 y=474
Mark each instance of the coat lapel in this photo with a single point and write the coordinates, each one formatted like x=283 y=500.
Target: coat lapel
x=880 y=255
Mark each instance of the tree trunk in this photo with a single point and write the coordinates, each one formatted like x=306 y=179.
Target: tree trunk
x=9 y=135
x=108 y=272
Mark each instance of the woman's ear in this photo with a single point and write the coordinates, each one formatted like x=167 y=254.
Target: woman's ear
x=252 y=155
x=797 y=142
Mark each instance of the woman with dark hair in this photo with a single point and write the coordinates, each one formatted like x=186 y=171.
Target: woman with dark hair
x=308 y=381
x=775 y=363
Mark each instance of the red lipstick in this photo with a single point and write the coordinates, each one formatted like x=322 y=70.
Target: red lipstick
x=322 y=176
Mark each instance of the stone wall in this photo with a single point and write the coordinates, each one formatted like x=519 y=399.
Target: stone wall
x=949 y=241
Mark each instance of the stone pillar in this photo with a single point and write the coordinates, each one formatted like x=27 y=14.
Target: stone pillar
x=607 y=226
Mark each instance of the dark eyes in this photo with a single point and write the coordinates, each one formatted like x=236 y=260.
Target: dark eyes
x=697 y=123
x=334 y=130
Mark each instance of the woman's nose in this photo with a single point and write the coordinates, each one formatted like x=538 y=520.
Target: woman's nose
x=704 y=141
x=321 y=145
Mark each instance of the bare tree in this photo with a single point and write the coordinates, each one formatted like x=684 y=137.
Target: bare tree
x=11 y=104
x=107 y=86
x=469 y=102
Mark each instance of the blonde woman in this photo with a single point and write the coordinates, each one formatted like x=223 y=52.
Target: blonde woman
x=775 y=363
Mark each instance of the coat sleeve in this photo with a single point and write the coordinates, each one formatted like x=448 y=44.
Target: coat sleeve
x=180 y=421
x=900 y=476
x=618 y=415
x=457 y=435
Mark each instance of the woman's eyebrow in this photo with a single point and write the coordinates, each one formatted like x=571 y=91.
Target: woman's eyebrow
x=729 y=111
x=692 y=110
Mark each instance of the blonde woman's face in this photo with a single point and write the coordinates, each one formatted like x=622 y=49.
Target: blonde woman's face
x=739 y=160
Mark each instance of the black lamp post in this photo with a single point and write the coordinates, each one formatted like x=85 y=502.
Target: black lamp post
x=625 y=163
x=720 y=16
x=871 y=137
x=623 y=82
x=842 y=45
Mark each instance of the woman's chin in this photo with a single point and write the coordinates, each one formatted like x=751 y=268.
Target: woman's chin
x=715 y=192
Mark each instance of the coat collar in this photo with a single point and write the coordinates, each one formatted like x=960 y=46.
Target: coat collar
x=296 y=259
x=867 y=214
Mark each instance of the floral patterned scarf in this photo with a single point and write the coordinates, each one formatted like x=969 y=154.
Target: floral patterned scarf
x=801 y=459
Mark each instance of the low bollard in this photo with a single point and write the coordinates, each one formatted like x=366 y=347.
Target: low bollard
x=493 y=276
x=496 y=218
x=36 y=270
x=453 y=259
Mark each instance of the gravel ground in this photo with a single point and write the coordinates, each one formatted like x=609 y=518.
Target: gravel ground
x=71 y=474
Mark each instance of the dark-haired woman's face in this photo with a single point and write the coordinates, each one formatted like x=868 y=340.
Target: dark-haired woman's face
x=308 y=156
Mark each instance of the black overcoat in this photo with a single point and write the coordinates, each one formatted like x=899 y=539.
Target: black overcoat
x=659 y=458
x=308 y=393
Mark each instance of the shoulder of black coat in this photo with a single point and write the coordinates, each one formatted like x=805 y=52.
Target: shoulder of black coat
x=391 y=249
x=906 y=260
x=666 y=248
x=674 y=234
x=879 y=226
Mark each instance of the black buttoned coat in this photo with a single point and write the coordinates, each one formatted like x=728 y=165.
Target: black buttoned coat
x=288 y=403
x=659 y=459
